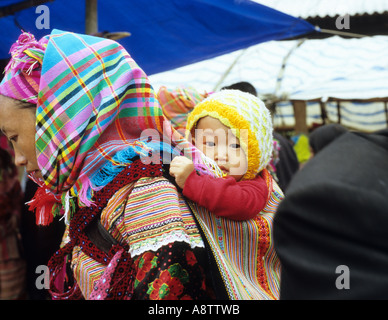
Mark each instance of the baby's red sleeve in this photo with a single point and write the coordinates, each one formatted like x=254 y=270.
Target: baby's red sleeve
x=226 y=197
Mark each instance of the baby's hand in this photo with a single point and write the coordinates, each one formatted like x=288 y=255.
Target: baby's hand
x=180 y=169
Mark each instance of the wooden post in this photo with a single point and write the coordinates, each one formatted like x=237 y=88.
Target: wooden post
x=299 y=107
x=91 y=19
x=339 y=111
x=386 y=111
x=13 y=8
x=323 y=112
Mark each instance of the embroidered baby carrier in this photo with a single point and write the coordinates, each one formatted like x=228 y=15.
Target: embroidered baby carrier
x=117 y=280
x=243 y=251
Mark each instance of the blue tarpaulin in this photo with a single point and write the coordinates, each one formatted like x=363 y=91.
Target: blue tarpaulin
x=164 y=34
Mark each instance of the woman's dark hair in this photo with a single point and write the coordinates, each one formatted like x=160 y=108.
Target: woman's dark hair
x=25 y=105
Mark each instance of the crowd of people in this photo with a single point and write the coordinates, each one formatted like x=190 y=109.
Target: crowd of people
x=175 y=195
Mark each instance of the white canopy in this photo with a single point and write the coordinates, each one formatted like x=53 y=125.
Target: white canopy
x=334 y=67
x=322 y=8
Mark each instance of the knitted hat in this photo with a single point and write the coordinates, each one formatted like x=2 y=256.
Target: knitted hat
x=240 y=110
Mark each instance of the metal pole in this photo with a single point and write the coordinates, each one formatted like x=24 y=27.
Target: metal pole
x=229 y=69
x=91 y=19
x=13 y=8
x=342 y=33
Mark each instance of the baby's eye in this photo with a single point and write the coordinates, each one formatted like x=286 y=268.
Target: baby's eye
x=235 y=146
x=210 y=144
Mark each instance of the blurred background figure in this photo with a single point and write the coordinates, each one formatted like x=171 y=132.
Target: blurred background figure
x=12 y=264
x=242 y=86
x=322 y=136
x=330 y=231
x=39 y=243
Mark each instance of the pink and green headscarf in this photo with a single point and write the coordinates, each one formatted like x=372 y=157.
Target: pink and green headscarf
x=93 y=104
x=22 y=74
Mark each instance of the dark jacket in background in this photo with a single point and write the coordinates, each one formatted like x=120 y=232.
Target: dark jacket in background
x=336 y=214
x=288 y=163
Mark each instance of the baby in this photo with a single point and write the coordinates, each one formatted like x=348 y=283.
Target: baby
x=234 y=129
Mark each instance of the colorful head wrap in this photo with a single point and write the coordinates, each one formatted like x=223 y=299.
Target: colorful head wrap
x=22 y=74
x=240 y=110
x=96 y=111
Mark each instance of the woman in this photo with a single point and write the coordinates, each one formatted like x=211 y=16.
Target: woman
x=74 y=108
x=84 y=121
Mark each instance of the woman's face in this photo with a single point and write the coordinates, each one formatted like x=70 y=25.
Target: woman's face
x=18 y=124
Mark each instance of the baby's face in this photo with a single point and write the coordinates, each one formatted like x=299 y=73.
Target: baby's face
x=218 y=142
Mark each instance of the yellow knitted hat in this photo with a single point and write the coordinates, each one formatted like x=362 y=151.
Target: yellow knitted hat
x=240 y=110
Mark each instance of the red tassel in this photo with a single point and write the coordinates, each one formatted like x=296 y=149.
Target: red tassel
x=43 y=204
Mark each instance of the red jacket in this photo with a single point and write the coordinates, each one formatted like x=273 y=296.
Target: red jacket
x=226 y=197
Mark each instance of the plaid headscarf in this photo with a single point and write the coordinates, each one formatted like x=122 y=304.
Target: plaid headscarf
x=96 y=111
x=22 y=73
x=94 y=104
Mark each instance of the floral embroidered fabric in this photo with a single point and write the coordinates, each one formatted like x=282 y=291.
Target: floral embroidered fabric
x=171 y=273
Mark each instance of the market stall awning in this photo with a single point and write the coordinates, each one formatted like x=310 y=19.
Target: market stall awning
x=164 y=34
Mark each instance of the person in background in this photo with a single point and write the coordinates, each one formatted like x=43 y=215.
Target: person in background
x=287 y=164
x=12 y=263
x=243 y=86
x=323 y=135
x=330 y=231
x=302 y=148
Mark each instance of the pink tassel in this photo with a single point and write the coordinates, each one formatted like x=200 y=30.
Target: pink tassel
x=20 y=58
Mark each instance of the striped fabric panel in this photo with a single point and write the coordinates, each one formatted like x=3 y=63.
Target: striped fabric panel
x=271 y=261
x=156 y=216
x=86 y=270
x=147 y=217
x=112 y=217
x=235 y=246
